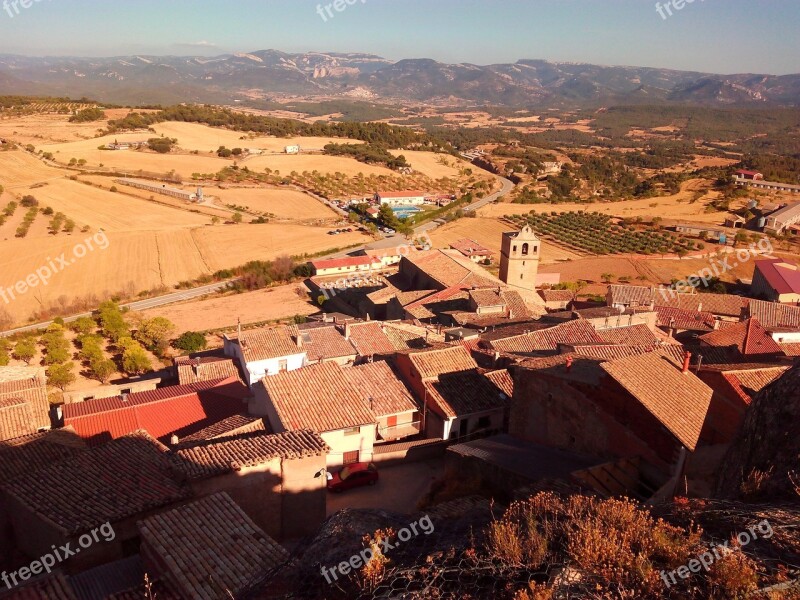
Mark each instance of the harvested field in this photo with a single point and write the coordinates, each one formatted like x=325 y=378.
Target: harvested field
x=283 y=203
x=313 y=162
x=676 y=207
x=250 y=307
x=194 y=136
x=488 y=233
x=428 y=163
x=88 y=205
x=19 y=169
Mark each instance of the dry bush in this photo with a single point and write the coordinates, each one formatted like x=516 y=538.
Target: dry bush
x=733 y=576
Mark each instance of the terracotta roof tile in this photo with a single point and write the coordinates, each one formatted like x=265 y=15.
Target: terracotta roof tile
x=369 y=339
x=570 y=366
x=726 y=305
x=632 y=335
x=502 y=380
x=749 y=337
x=26 y=455
x=487 y=298
x=30 y=384
x=615 y=351
x=775 y=315
x=556 y=295
x=377 y=381
x=226 y=455
x=180 y=410
x=265 y=344
x=121 y=479
x=636 y=295
x=195 y=370
x=433 y=363
x=470 y=248
x=404 y=336
x=572 y=332
x=325 y=342
x=450 y=268
x=676 y=318
x=210 y=548
x=747 y=383
x=465 y=393
x=318 y=397
x=792 y=349
x=51 y=587
x=678 y=400
x=235 y=425
x=16 y=418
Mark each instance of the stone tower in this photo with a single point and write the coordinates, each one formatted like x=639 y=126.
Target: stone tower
x=519 y=258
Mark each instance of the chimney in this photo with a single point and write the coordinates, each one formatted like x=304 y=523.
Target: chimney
x=686 y=360
x=173 y=440
x=569 y=364
x=347 y=330
x=299 y=339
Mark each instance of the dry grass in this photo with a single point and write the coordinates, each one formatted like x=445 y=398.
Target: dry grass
x=313 y=162
x=283 y=203
x=251 y=307
x=433 y=165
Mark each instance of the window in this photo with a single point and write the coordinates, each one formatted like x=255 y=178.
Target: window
x=353 y=431
x=283 y=365
x=525 y=249
x=521 y=275
x=350 y=458
x=515 y=249
x=536 y=248
x=484 y=423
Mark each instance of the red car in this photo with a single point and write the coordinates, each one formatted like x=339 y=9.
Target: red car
x=352 y=476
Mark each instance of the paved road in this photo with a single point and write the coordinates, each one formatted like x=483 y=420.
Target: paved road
x=138 y=305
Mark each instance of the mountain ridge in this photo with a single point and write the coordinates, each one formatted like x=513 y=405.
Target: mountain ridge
x=271 y=73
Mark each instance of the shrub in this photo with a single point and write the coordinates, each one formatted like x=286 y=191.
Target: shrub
x=190 y=342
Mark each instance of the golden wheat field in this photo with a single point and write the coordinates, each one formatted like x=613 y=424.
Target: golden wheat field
x=283 y=203
x=433 y=165
x=313 y=162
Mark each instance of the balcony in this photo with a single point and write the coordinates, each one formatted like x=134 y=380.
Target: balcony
x=397 y=432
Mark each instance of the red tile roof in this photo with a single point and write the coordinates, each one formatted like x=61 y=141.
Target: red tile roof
x=449 y=268
x=725 y=305
x=556 y=295
x=179 y=410
x=226 y=455
x=782 y=276
x=26 y=455
x=615 y=351
x=266 y=344
x=16 y=419
x=325 y=342
x=195 y=370
x=411 y=194
x=502 y=380
x=678 y=400
x=636 y=295
x=29 y=384
x=369 y=339
x=470 y=248
x=676 y=318
x=318 y=397
x=383 y=391
x=791 y=349
x=209 y=548
x=749 y=338
x=632 y=335
x=235 y=425
x=464 y=393
x=121 y=479
x=747 y=383
x=774 y=315
x=50 y=587
x=433 y=363
x=578 y=331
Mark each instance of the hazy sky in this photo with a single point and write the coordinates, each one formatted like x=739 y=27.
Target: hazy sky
x=723 y=36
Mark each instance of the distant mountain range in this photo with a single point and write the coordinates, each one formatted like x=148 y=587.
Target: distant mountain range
x=526 y=83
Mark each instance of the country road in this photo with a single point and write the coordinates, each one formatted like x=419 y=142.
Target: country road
x=138 y=305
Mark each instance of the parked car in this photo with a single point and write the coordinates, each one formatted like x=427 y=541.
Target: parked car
x=352 y=476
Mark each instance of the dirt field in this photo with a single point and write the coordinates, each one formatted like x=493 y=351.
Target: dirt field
x=19 y=169
x=488 y=233
x=284 y=204
x=250 y=307
x=428 y=163
x=675 y=207
x=193 y=136
x=52 y=128
x=313 y=162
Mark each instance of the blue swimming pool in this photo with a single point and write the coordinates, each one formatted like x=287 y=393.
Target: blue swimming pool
x=405 y=211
